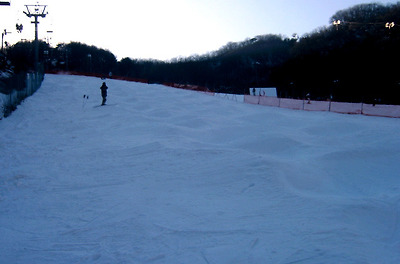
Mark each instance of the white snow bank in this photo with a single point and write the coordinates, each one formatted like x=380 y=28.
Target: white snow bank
x=163 y=175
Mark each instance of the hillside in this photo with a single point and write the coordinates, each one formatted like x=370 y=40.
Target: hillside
x=163 y=175
x=351 y=61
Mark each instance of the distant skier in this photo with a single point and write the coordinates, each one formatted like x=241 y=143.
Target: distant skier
x=103 y=89
x=308 y=98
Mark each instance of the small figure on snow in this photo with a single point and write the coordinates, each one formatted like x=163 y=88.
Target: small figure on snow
x=308 y=98
x=103 y=89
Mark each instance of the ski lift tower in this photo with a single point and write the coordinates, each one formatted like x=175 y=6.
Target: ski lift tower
x=36 y=11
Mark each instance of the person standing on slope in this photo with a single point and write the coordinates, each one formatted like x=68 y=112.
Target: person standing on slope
x=103 y=89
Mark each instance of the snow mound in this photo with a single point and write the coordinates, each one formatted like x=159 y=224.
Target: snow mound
x=163 y=175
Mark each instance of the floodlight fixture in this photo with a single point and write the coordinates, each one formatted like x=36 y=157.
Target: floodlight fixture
x=389 y=25
x=36 y=10
x=337 y=22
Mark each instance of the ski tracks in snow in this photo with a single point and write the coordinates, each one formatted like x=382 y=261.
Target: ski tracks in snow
x=173 y=176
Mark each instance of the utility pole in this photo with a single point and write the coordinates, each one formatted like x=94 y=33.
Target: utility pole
x=36 y=11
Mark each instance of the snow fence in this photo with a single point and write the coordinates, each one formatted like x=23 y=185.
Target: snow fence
x=19 y=88
x=337 y=107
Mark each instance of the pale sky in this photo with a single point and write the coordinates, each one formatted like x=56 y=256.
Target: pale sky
x=165 y=29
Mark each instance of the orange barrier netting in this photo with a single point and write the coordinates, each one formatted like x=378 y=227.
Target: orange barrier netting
x=337 y=107
x=88 y=74
x=130 y=79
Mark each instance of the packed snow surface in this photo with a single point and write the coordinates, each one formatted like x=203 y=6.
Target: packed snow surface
x=163 y=175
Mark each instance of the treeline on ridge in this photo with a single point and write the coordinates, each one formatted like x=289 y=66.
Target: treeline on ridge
x=356 y=60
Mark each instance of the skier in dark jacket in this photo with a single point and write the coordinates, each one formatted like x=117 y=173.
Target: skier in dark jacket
x=103 y=89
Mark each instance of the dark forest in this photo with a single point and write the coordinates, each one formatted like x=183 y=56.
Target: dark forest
x=355 y=59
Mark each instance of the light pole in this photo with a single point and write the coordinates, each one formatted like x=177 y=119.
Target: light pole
x=2 y=39
x=90 y=62
x=4 y=3
x=36 y=11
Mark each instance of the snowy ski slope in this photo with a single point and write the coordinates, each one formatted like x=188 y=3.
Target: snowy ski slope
x=163 y=175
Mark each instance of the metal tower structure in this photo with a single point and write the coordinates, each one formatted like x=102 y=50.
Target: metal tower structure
x=36 y=11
